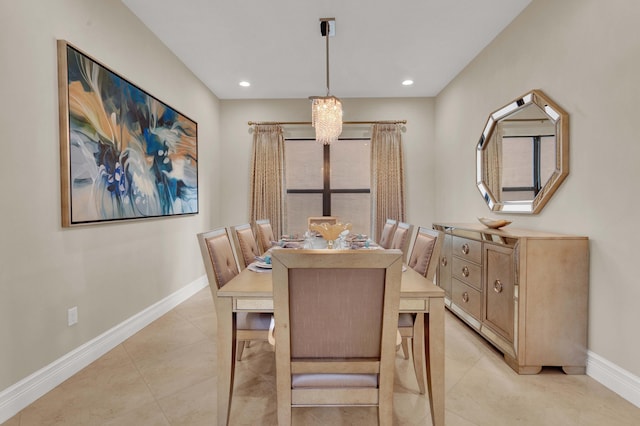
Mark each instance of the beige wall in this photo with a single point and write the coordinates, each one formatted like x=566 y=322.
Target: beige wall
x=585 y=55
x=417 y=140
x=113 y=271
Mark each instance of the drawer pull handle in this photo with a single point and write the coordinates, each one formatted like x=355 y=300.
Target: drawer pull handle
x=465 y=297
x=465 y=271
x=443 y=261
x=465 y=248
x=497 y=286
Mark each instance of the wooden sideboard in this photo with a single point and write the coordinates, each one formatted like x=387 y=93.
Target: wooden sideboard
x=524 y=291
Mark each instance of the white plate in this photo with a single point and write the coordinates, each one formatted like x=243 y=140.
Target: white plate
x=263 y=265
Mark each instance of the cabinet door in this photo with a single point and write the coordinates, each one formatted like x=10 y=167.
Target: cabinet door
x=444 y=267
x=499 y=289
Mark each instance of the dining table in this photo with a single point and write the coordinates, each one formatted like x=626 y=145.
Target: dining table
x=251 y=291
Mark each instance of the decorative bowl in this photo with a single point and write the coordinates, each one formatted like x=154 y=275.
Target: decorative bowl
x=493 y=223
x=330 y=232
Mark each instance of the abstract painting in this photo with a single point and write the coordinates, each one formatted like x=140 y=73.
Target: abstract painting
x=124 y=153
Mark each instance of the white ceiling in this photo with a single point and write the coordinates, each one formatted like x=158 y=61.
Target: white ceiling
x=277 y=45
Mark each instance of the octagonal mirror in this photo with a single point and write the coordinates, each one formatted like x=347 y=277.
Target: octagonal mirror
x=523 y=154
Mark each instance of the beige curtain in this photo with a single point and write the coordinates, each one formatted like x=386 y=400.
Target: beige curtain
x=387 y=176
x=267 y=176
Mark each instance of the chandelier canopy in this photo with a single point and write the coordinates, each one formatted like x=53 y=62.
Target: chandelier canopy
x=326 y=111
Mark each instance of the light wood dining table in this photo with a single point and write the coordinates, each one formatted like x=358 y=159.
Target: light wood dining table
x=253 y=292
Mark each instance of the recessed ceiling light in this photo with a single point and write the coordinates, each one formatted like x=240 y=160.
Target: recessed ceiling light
x=407 y=83
x=244 y=84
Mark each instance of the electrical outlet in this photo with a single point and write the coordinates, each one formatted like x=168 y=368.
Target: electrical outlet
x=72 y=316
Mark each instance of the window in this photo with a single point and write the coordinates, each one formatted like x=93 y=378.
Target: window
x=328 y=180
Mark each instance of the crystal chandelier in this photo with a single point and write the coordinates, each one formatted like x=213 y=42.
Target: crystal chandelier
x=326 y=111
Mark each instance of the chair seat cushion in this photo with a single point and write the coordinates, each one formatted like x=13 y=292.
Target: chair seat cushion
x=334 y=380
x=253 y=321
x=405 y=320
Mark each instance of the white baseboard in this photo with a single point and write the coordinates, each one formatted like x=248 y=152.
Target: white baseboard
x=20 y=395
x=622 y=382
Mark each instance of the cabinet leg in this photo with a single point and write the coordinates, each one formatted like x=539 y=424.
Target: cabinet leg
x=529 y=369
x=521 y=369
x=574 y=369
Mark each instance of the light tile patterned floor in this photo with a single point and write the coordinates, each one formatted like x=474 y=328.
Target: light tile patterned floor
x=165 y=375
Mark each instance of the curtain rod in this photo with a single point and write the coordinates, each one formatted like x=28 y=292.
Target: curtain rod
x=302 y=123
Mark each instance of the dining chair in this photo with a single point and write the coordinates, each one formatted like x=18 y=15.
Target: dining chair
x=220 y=265
x=335 y=329
x=331 y=220
x=265 y=234
x=401 y=238
x=386 y=236
x=424 y=260
x=245 y=244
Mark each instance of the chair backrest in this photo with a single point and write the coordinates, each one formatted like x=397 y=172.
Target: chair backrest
x=338 y=305
x=245 y=244
x=265 y=234
x=401 y=237
x=331 y=220
x=386 y=236
x=218 y=258
x=426 y=252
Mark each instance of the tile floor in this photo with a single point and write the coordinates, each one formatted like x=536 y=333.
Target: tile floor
x=165 y=375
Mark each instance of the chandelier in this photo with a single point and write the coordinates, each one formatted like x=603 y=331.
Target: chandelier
x=326 y=111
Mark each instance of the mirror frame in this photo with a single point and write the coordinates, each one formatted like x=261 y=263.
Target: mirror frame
x=561 y=121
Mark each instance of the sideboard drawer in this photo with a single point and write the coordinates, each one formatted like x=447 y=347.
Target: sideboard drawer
x=467 y=298
x=468 y=249
x=467 y=272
